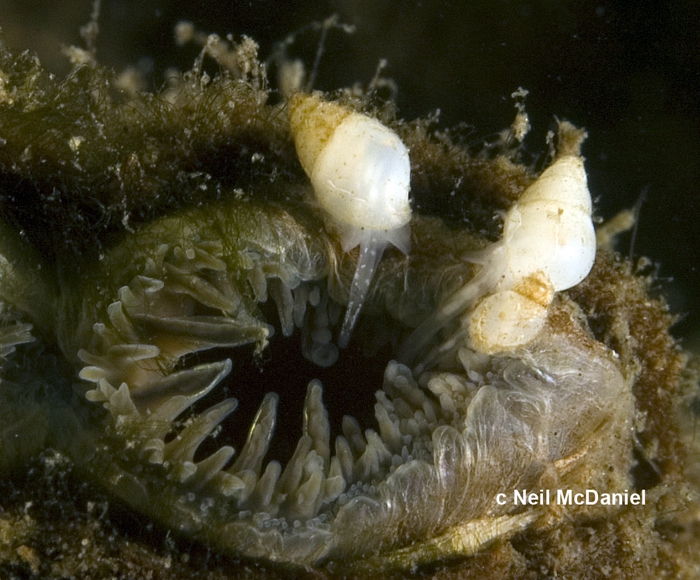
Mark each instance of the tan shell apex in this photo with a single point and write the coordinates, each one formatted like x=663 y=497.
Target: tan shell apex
x=313 y=121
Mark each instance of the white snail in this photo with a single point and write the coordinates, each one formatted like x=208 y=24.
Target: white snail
x=548 y=245
x=360 y=172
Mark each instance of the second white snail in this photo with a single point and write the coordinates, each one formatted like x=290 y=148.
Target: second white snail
x=360 y=172
x=548 y=245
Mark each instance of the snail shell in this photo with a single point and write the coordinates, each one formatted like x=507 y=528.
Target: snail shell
x=360 y=172
x=550 y=229
x=548 y=245
x=510 y=318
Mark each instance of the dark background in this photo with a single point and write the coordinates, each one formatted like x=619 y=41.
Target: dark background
x=627 y=72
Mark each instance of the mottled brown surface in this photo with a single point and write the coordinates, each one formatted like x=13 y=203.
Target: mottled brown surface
x=623 y=315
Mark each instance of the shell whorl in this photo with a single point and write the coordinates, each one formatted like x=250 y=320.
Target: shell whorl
x=564 y=181
x=359 y=168
x=550 y=227
x=313 y=122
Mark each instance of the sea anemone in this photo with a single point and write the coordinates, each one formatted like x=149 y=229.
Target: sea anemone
x=188 y=292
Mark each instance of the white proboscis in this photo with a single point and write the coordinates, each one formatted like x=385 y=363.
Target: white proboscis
x=548 y=245
x=360 y=172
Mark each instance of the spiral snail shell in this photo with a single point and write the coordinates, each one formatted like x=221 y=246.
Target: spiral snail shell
x=360 y=172
x=550 y=227
x=548 y=245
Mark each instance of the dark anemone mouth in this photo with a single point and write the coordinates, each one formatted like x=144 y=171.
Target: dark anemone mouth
x=348 y=388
